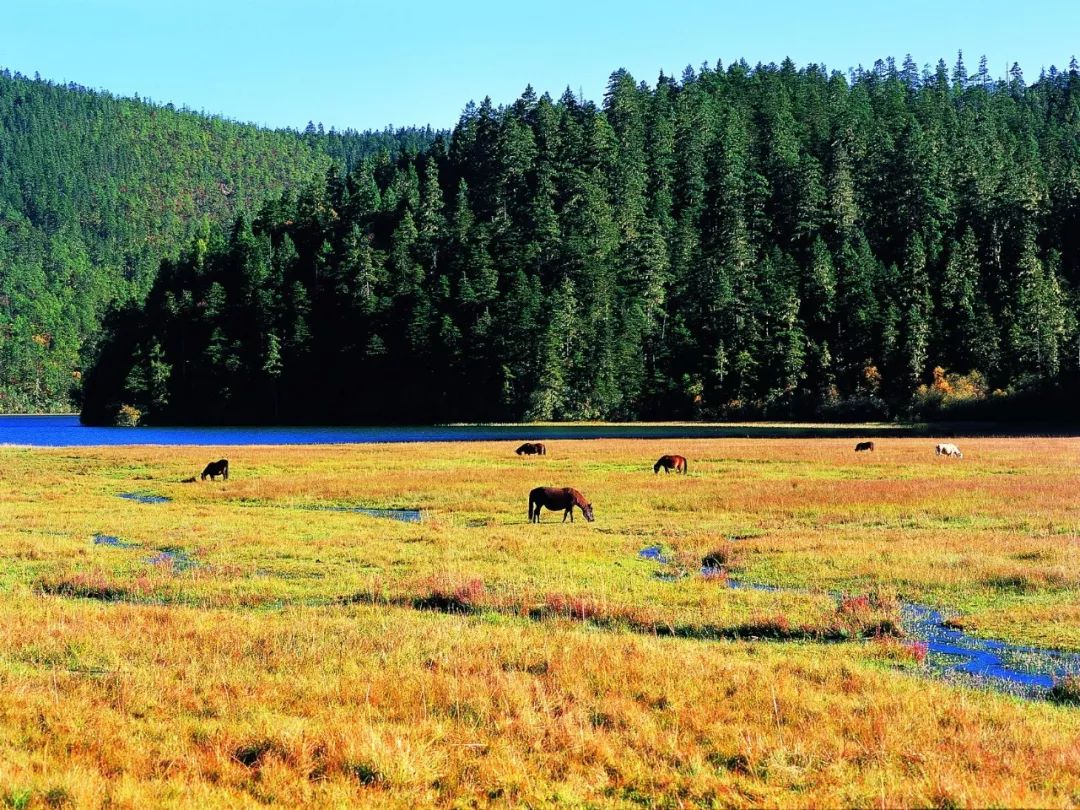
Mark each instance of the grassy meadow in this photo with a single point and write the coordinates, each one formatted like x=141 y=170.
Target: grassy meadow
x=279 y=652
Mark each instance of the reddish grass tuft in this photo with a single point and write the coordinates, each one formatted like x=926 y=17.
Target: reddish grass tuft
x=96 y=584
x=718 y=576
x=575 y=607
x=448 y=596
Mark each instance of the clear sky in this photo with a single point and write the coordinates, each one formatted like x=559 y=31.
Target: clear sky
x=368 y=64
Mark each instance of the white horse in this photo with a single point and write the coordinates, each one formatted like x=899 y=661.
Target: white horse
x=948 y=450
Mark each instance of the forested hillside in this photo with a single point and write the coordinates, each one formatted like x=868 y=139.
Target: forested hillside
x=740 y=241
x=96 y=190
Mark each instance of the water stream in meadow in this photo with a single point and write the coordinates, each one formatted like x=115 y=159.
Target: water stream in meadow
x=951 y=653
x=111 y=540
x=144 y=497
x=403 y=515
x=175 y=558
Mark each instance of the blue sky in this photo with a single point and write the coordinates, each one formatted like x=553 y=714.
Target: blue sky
x=369 y=64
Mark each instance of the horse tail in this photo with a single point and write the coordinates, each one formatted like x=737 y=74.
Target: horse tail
x=532 y=500
x=685 y=466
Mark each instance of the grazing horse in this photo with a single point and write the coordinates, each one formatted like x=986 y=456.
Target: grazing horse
x=948 y=450
x=532 y=449
x=216 y=468
x=864 y=446
x=669 y=463
x=558 y=498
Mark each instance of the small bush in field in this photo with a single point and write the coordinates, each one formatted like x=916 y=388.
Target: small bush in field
x=18 y=799
x=252 y=754
x=365 y=773
x=720 y=557
x=56 y=797
x=1066 y=690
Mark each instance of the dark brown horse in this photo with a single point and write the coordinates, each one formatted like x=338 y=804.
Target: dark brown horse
x=669 y=463
x=531 y=449
x=558 y=498
x=861 y=446
x=216 y=468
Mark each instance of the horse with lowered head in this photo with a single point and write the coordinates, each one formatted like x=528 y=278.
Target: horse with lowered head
x=558 y=498
x=216 y=468
x=532 y=449
x=948 y=450
x=669 y=463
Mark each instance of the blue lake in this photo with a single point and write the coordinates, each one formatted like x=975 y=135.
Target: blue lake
x=65 y=431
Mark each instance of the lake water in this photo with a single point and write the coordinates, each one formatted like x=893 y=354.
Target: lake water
x=65 y=431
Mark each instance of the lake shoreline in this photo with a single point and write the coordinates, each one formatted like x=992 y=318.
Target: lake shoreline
x=67 y=431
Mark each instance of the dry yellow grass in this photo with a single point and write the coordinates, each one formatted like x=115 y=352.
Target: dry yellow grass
x=292 y=666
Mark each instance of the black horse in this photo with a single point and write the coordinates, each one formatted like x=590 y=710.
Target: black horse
x=558 y=498
x=532 y=449
x=216 y=468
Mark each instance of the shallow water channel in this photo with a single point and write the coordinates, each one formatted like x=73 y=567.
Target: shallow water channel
x=951 y=653
x=403 y=515
x=144 y=497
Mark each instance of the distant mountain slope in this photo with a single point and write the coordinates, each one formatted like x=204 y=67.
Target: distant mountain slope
x=96 y=190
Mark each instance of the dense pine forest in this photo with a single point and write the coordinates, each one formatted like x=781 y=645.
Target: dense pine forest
x=96 y=190
x=741 y=241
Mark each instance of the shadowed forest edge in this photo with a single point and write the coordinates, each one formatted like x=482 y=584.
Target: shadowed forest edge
x=742 y=242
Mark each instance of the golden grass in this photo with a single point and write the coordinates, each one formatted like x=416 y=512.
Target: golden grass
x=293 y=666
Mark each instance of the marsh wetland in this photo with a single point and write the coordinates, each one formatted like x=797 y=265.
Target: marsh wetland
x=284 y=637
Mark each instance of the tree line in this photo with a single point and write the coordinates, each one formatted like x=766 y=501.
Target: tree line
x=96 y=190
x=740 y=241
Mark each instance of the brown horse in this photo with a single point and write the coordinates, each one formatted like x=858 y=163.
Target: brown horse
x=558 y=498
x=532 y=449
x=861 y=446
x=669 y=463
